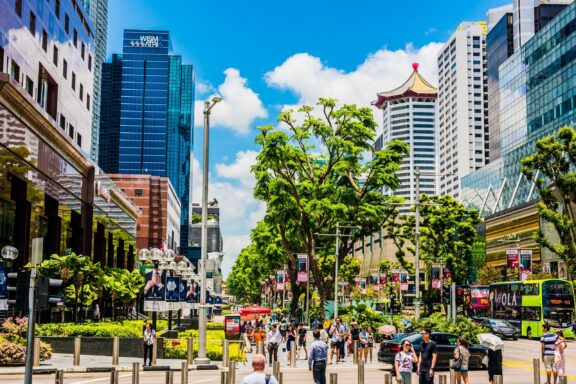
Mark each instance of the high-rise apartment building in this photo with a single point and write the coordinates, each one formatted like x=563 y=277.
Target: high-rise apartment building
x=150 y=130
x=98 y=14
x=529 y=16
x=462 y=106
x=409 y=115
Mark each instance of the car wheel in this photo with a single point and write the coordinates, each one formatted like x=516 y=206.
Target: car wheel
x=529 y=334
x=515 y=338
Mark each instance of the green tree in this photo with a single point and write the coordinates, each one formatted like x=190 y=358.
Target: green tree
x=552 y=169
x=122 y=285
x=325 y=171
x=488 y=275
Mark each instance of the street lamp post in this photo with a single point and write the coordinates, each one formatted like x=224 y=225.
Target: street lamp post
x=202 y=359
x=417 y=245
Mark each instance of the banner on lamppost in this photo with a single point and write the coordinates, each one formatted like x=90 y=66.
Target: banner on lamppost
x=362 y=285
x=374 y=279
x=383 y=279
x=436 y=276
x=154 y=290
x=3 y=289
x=172 y=287
x=192 y=294
x=396 y=276
x=512 y=258
x=302 y=268
x=403 y=280
x=446 y=275
x=525 y=263
x=280 y=280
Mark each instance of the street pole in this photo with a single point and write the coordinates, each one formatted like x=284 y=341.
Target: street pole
x=202 y=359
x=37 y=251
x=336 y=271
x=308 y=288
x=417 y=245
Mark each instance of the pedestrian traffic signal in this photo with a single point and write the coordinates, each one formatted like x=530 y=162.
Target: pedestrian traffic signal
x=446 y=294
x=459 y=296
x=48 y=293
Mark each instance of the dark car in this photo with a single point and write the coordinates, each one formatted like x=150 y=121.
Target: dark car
x=501 y=328
x=446 y=343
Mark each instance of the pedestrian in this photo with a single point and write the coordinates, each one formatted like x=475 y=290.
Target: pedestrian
x=149 y=340
x=354 y=339
x=302 y=341
x=370 y=341
x=317 y=358
x=363 y=344
x=273 y=339
x=559 y=359
x=547 y=346
x=323 y=334
x=494 y=364
x=336 y=340
x=404 y=362
x=258 y=376
x=290 y=337
x=461 y=359
x=427 y=359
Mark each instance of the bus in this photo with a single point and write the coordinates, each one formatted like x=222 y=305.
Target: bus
x=529 y=304
x=479 y=300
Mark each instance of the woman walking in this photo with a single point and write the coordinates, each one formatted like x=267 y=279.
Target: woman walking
x=370 y=346
x=149 y=340
x=461 y=359
x=363 y=344
x=404 y=363
x=290 y=337
x=559 y=359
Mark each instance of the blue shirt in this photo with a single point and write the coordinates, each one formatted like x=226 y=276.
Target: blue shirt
x=318 y=352
x=549 y=341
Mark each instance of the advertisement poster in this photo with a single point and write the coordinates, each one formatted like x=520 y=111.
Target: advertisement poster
x=446 y=275
x=302 y=268
x=506 y=301
x=3 y=289
x=362 y=284
x=403 y=281
x=374 y=279
x=279 y=280
x=182 y=290
x=396 y=277
x=436 y=272
x=193 y=293
x=383 y=279
x=172 y=289
x=154 y=290
x=525 y=263
x=512 y=259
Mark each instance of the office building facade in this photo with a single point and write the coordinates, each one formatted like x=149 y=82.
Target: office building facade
x=462 y=106
x=214 y=242
x=409 y=115
x=153 y=134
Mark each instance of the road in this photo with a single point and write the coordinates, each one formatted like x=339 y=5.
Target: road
x=518 y=357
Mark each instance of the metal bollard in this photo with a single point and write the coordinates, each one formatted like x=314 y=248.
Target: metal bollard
x=452 y=373
x=169 y=377
x=260 y=347
x=355 y=350
x=59 y=377
x=388 y=378
x=232 y=372
x=76 y=358
x=563 y=380
x=293 y=354
x=333 y=378
x=36 y=361
x=443 y=379
x=281 y=378
x=223 y=378
x=154 y=352
x=190 y=351
x=536 y=365
x=361 y=372
x=114 y=376
x=184 y=373
x=276 y=369
x=115 y=350
x=135 y=373
x=497 y=379
x=225 y=353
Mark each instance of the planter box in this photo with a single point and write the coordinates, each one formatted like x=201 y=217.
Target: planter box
x=102 y=346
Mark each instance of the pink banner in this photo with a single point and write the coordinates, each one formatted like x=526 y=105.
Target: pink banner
x=302 y=269
x=512 y=258
x=404 y=281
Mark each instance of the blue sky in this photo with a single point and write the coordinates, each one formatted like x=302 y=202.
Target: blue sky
x=263 y=56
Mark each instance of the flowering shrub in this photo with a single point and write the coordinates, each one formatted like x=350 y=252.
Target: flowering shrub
x=11 y=353
x=13 y=344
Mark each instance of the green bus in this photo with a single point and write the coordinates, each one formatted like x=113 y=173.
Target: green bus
x=529 y=304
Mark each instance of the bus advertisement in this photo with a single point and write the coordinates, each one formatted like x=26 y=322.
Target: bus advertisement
x=480 y=300
x=530 y=304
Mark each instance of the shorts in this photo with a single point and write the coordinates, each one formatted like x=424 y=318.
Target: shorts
x=361 y=345
x=301 y=343
x=335 y=344
x=549 y=363
x=463 y=372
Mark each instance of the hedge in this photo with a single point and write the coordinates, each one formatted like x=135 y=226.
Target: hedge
x=127 y=328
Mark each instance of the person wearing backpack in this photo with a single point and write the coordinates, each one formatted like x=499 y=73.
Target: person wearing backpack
x=258 y=376
x=461 y=359
x=404 y=362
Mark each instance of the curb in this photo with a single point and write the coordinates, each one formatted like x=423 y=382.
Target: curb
x=161 y=368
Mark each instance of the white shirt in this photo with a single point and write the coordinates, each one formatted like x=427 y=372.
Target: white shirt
x=274 y=337
x=258 y=378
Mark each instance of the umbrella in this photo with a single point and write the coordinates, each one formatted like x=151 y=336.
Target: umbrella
x=491 y=341
x=387 y=329
x=254 y=310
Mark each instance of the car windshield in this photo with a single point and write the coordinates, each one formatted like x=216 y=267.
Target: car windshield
x=412 y=337
x=499 y=323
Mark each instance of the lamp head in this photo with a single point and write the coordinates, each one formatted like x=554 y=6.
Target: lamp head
x=216 y=99
x=9 y=253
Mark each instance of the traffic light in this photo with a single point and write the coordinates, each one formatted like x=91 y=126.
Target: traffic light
x=48 y=293
x=22 y=290
x=446 y=294
x=393 y=304
x=459 y=296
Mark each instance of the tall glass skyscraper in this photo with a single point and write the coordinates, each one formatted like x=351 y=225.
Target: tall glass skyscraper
x=153 y=134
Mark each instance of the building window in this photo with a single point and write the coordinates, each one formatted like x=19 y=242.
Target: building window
x=64 y=68
x=71 y=130
x=62 y=122
x=79 y=140
x=55 y=55
x=45 y=40
x=32 y=23
x=90 y=63
x=75 y=38
x=1 y=59
x=82 y=50
x=73 y=81
x=66 y=23
x=18 y=8
x=138 y=192
x=29 y=86
x=15 y=71
x=87 y=101
x=57 y=9
x=81 y=92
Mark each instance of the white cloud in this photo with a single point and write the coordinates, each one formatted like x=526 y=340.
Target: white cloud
x=232 y=185
x=309 y=78
x=239 y=107
x=203 y=87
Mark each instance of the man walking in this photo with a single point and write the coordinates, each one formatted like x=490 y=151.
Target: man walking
x=547 y=345
x=427 y=360
x=273 y=339
x=317 y=359
x=336 y=338
x=258 y=376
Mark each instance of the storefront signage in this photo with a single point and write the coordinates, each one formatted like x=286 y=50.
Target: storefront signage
x=146 y=41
